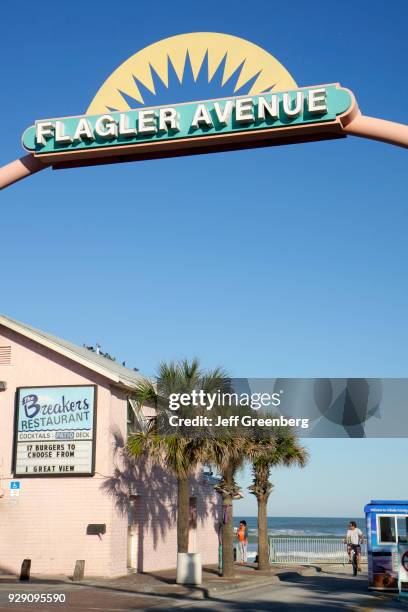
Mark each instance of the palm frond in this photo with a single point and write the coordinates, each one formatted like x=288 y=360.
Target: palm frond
x=282 y=447
x=145 y=392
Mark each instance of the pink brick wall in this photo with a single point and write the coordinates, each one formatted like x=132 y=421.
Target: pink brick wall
x=154 y=530
x=47 y=522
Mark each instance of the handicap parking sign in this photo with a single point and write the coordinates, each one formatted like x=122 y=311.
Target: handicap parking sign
x=14 y=488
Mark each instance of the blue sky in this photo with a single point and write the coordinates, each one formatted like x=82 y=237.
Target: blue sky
x=288 y=261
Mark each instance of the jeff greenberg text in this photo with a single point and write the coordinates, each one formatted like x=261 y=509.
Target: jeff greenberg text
x=235 y=420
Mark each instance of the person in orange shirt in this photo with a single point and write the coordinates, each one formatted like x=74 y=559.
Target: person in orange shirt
x=242 y=535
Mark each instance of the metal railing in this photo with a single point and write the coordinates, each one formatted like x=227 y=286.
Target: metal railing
x=309 y=550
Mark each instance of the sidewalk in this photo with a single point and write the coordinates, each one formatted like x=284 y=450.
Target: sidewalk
x=163 y=583
x=158 y=590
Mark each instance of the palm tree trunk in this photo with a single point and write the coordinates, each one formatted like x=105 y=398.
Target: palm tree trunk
x=227 y=527
x=183 y=509
x=263 y=552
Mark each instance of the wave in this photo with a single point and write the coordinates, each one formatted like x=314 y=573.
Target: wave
x=302 y=532
x=301 y=527
x=298 y=532
x=297 y=554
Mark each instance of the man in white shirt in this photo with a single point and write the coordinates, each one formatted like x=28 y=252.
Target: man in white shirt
x=354 y=539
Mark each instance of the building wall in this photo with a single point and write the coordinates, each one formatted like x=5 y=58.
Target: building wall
x=47 y=522
x=154 y=529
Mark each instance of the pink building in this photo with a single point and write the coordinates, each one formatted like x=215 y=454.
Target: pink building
x=65 y=492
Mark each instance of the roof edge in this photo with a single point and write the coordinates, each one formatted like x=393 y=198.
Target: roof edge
x=36 y=336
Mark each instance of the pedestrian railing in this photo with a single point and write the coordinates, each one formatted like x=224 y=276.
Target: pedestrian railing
x=308 y=551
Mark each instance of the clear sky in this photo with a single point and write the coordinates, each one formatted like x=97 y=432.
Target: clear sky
x=286 y=261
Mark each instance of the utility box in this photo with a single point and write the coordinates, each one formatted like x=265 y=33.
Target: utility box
x=96 y=529
x=387 y=533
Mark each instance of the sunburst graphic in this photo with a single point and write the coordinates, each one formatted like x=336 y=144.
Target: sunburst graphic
x=204 y=64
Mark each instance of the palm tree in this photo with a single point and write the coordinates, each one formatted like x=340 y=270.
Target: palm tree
x=227 y=454
x=181 y=455
x=280 y=448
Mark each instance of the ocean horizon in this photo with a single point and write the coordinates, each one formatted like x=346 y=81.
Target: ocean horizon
x=301 y=526
x=297 y=528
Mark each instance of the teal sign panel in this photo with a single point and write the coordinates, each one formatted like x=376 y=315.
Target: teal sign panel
x=114 y=129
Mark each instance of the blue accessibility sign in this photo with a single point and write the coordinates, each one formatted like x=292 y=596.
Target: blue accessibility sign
x=14 y=484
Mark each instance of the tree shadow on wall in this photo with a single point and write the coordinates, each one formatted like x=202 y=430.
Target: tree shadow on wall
x=147 y=494
x=209 y=503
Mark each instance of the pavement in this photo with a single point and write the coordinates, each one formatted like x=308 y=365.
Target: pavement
x=164 y=582
x=130 y=592
x=325 y=591
x=297 y=588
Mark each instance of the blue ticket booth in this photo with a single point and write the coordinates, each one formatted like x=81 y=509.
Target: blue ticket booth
x=387 y=533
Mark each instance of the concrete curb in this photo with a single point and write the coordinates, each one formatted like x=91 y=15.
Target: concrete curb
x=254 y=583
x=289 y=574
x=202 y=592
x=245 y=584
x=209 y=591
x=214 y=592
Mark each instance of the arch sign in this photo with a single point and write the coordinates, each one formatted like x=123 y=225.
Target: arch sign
x=246 y=99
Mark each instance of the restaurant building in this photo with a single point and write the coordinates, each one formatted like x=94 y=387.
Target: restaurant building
x=66 y=491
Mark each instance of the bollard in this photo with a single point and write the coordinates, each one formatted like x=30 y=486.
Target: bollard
x=79 y=571
x=25 y=569
x=189 y=570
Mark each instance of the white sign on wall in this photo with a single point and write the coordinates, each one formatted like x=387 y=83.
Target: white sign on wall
x=55 y=431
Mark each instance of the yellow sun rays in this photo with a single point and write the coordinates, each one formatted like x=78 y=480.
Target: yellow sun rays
x=237 y=50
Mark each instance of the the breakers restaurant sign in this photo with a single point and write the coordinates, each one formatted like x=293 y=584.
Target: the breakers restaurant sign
x=54 y=434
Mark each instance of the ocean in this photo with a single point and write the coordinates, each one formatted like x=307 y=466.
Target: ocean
x=302 y=526
x=298 y=526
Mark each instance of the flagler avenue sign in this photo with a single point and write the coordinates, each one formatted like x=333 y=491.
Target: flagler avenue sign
x=127 y=119
x=236 y=122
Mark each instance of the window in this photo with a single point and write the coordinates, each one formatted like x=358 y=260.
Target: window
x=392 y=529
x=386 y=529
x=136 y=420
x=402 y=529
x=130 y=417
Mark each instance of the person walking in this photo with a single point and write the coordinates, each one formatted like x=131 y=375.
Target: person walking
x=242 y=535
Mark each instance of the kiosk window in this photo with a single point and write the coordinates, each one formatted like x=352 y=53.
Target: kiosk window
x=387 y=529
x=402 y=524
